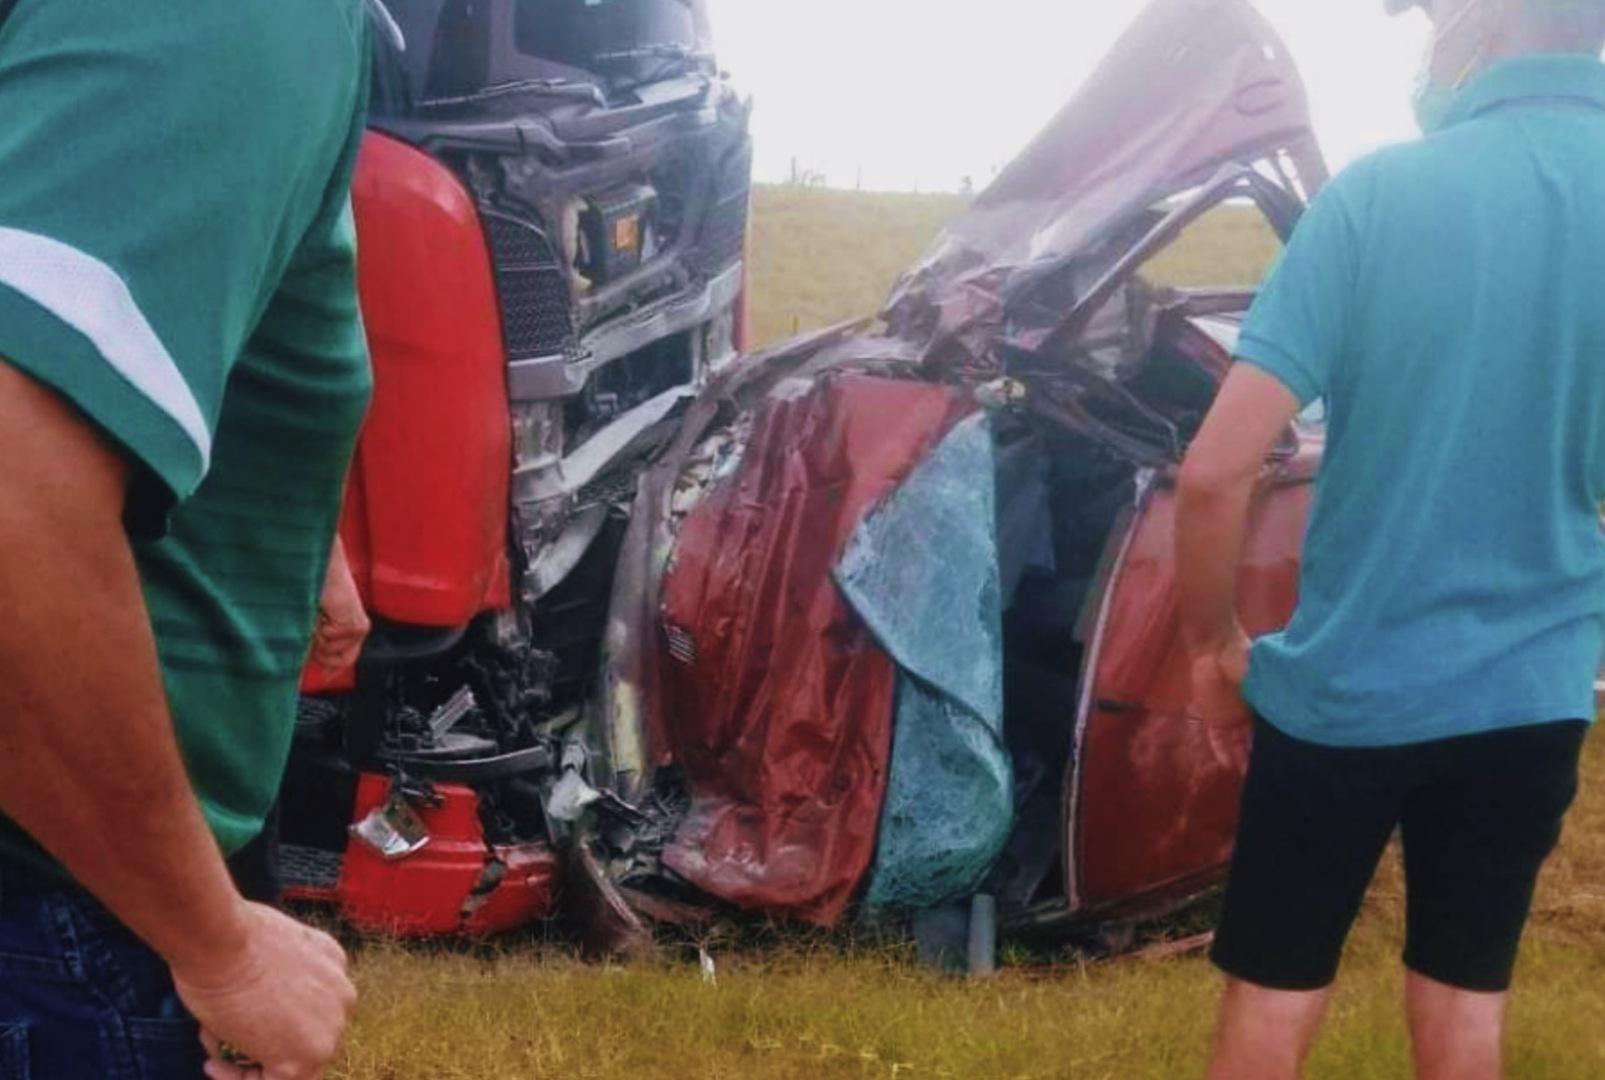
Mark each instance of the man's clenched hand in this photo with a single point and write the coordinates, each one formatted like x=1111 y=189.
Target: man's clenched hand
x=282 y=999
x=1216 y=683
x=343 y=625
x=1215 y=697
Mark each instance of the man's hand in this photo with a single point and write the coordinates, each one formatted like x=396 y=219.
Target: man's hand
x=343 y=624
x=282 y=1001
x=1215 y=698
x=1216 y=680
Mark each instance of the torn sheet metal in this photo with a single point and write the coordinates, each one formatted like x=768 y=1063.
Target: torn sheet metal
x=569 y=798
x=1193 y=85
x=629 y=732
x=922 y=573
x=779 y=699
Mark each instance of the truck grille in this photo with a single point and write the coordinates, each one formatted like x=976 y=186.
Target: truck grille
x=536 y=316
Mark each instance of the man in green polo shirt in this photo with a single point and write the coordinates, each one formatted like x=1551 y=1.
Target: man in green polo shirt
x=182 y=375
x=1437 y=677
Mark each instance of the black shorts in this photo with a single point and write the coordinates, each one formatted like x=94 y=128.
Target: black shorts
x=1479 y=815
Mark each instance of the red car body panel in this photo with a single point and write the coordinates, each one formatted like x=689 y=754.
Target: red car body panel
x=426 y=518
x=1152 y=796
x=782 y=699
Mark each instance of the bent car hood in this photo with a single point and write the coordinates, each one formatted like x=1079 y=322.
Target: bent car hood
x=1192 y=87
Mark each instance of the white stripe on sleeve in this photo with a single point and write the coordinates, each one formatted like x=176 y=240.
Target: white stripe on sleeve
x=92 y=298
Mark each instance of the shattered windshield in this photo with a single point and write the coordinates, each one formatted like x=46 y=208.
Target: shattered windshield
x=608 y=35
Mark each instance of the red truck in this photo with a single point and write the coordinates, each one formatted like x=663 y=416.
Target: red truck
x=551 y=205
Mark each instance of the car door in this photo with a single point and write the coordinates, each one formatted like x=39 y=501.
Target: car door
x=1151 y=796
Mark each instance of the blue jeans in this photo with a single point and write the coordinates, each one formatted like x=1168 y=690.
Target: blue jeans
x=81 y=998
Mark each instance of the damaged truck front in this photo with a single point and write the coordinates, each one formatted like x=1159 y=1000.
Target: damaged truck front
x=551 y=205
x=894 y=619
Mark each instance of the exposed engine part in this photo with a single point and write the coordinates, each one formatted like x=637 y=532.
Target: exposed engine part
x=629 y=839
x=571 y=619
x=446 y=717
x=632 y=381
x=514 y=686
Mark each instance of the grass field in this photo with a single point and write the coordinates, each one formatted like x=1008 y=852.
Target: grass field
x=819 y=257
x=823 y=1009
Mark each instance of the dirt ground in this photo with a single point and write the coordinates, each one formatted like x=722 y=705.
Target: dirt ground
x=839 y=1007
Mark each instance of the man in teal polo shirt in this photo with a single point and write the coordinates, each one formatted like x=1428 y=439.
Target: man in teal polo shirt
x=1437 y=677
x=182 y=375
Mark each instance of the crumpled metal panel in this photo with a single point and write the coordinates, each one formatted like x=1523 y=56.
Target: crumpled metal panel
x=922 y=573
x=1192 y=86
x=629 y=734
x=776 y=699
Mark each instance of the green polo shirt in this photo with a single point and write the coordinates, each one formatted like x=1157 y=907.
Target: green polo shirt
x=1444 y=297
x=177 y=258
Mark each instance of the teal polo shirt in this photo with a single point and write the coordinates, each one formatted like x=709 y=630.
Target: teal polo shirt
x=177 y=259
x=1447 y=300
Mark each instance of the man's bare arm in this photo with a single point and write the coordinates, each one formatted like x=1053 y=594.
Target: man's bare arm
x=1217 y=482
x=89 y=764
x=88 y=761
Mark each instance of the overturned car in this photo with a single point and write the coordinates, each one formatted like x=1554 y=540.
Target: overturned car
x=895 y=616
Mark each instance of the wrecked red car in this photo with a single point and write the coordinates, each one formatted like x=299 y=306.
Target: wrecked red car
x=894 y=621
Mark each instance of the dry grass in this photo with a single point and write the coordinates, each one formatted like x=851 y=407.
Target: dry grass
x=1230 y=245
x=808 y=1016
x=531 y=1012
x=819 y=256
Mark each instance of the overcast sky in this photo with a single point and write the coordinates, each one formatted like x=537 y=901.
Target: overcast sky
x=920 y=93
